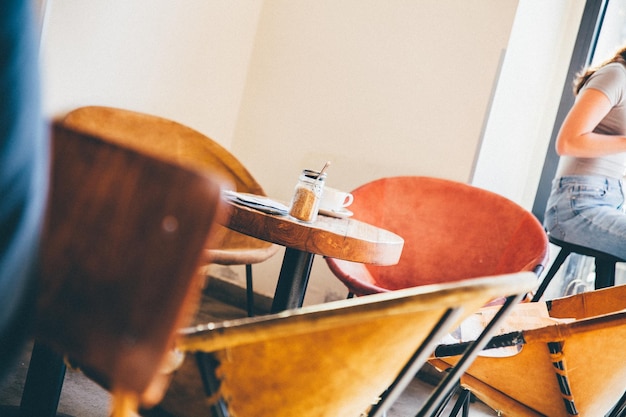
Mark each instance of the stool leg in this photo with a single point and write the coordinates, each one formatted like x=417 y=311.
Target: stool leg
x=556 y=265
x=605 y=273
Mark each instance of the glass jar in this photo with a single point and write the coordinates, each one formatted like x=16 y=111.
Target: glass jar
x=307 y=195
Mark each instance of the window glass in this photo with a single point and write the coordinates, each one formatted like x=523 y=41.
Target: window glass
x=612 y=32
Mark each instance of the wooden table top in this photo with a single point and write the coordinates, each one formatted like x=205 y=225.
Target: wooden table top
x=346 y=238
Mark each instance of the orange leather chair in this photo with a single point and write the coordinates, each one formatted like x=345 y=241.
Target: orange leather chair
x=344 y=358
x=574 y=365
x=451 y=231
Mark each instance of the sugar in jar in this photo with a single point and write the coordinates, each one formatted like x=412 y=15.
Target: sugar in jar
x=307 y=195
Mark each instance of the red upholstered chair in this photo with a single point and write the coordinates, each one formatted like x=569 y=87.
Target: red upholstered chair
x=451 y=231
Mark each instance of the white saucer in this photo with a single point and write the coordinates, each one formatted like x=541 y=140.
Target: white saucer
x=341 y=213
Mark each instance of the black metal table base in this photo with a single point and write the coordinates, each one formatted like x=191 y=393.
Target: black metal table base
x=293 y=280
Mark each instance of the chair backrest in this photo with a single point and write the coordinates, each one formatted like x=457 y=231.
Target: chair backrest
x=120 y=252
x=451 y=231
x=177 y=143
x=336 y=359
x=578 y=364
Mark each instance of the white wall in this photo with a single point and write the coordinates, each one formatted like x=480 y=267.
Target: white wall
x=527 y=98
x=186 y=60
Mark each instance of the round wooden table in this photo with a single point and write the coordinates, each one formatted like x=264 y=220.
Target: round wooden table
x=341 y=238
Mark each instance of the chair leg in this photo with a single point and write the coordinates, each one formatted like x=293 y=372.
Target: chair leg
x=249 y=291
x=44 y=381
x=605 y=273
x=556 y=265
x=445 y=402
x=462 y=403
x=207 y=365
x=619 y=410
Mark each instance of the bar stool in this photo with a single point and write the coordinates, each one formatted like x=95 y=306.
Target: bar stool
x=604 y=262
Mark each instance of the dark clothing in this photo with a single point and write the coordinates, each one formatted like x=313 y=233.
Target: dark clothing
x=23 y=174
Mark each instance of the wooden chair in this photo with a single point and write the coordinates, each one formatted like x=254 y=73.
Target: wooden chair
x=180 y=144
x=119 y=268
x=336 y=359
x=571 y=368
x=451 y=231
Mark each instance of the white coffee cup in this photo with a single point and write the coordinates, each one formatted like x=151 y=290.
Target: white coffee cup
x=335 y=200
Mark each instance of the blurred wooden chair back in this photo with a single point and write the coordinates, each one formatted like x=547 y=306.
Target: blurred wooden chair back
x=571 y=368
x=345 y=358
x=172 y=141
x=120 y=255
x=451 y=231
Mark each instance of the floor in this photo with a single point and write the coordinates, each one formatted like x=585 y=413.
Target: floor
x=83 y=398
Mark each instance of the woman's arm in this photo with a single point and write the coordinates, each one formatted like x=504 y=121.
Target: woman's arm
x=576 y=137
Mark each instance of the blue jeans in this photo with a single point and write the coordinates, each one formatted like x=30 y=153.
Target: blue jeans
x=587 y=210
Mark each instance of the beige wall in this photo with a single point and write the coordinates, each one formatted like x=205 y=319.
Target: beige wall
x=379 y=88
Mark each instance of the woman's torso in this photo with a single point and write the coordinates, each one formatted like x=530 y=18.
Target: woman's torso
x=611 y=81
